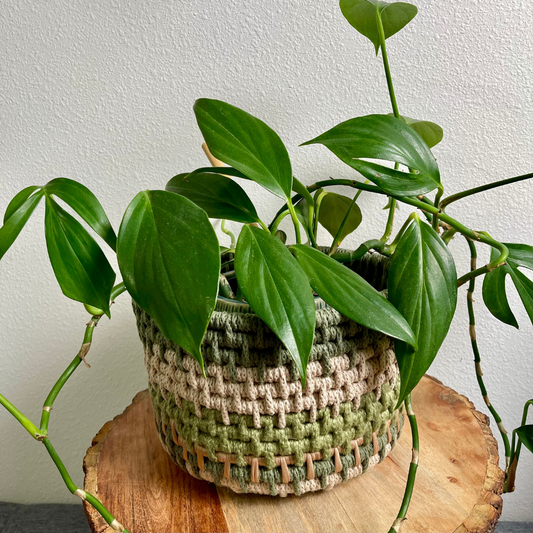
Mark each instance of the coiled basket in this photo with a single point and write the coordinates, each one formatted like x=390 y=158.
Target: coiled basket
x=249 y=426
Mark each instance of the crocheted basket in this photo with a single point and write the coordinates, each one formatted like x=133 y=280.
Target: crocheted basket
x=249 y=425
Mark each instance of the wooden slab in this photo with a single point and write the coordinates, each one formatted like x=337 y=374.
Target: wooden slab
x=457 y=488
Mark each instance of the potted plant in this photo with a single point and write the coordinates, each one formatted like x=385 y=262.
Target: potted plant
x=281 y=368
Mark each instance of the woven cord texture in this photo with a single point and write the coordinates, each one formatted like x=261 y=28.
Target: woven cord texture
x=248 y=424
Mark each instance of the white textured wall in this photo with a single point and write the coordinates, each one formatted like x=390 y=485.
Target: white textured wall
x=102 y=92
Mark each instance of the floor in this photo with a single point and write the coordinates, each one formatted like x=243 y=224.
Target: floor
x=45 y=518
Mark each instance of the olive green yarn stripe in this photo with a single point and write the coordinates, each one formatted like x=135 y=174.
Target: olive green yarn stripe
x=322 y=468
x=299 y=437
x=187 y=411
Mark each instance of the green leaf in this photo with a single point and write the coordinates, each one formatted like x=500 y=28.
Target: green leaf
x=494 y=293
x=86 y=205
x=281 y=235
x=225 y=171
x=362 y=15
x=169 y=257
x=297 y=186
x=301 y=189
x=333 y=209
x=429 y=131
x=81 y=268
x=422 y=285
x=351 y=295
x=525 y=434
x=217 y=195
x=246 y=143
x=274 y=284
x=19 y=199
x=17 y=214
x=385 y=138
x=302 y=213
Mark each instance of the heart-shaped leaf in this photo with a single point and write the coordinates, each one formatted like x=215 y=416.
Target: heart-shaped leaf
x=246 y=143
x=81 y=268
x=386 y=138
x=525 y=434
x=429 y=131
x=276 y=287
x=494 y=293
x=217 y=195
x=422 y=285
x=351 y=295
x=169 y=257
x=362 y=15
x=86 y=205
x=332 y=211
x=17 y=214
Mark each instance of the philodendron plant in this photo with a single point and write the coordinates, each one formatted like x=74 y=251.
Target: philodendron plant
x=174 y=268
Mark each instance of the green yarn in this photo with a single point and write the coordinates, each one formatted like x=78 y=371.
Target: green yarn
x=299 y=436
x=235 y=338
x=273 y=476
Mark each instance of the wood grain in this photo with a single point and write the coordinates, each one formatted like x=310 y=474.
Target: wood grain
x=458 y=484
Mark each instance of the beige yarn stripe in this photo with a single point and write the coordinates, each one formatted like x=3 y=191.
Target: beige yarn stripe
x=284 y=489
x=277 y=396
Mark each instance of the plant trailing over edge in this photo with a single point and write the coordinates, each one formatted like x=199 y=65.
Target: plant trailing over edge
x=173 y=267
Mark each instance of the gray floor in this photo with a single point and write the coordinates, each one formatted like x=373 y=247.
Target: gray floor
x=45 y=518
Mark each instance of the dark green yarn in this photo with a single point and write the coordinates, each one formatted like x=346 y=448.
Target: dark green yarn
x=236 y=339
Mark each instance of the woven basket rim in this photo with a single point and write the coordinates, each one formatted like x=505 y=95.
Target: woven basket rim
x=230 y=306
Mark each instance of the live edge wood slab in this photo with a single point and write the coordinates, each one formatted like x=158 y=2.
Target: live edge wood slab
x=457 y=488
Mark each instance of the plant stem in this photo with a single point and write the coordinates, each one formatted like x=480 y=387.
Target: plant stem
x=318 y=204
x=477 y=358
x=56 y=389
x=435 y=223
x=337 y=239
x=412 y=468
x=425 y=207
x=277 y=221
x=399 y=235
x=295 y=221
x=475 y=190
x=117 y=291
x=228 y=232
x=348 y=257
x=515 y=454
x=73 y=488
x=390 y=221
x=386 y=64
x=26 y=423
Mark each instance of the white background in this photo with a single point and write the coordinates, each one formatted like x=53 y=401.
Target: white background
x=102 y=92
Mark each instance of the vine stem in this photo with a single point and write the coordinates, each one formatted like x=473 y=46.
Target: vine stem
x=460 y=195
x=56 y=389
x=386 y=64
x=74 y=489
x=24 y=421
x=515 y=453
x=396 y=112
x=295 y=221
x=412 y=468
x=477 y=358
x=228 y=233
x=431 y=209
x=41 y=434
